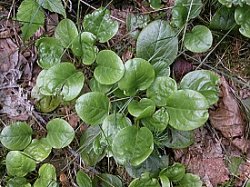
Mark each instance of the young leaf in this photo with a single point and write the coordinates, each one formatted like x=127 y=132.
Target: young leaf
x=92 y=107
x=38 y=149
x=190 y=180
x=158 y=44
x=83 y=180
x=165 y=182
x=187 y=110
x=107 y=180
x=66 y=32
x=50 y=52
x=18 y=164
x=60 y=133
x=161 y=88
x=144 y=181
x=203 y=81
x=158 y=121
x=31 y=16
x=95 y=86
x=89 y=153
x=155 y=4
x=199 y=40
x=129 y=146
x=100 y=24
x=174 y=173
x=17 y=182
x=110 y=68
x=47 y=176
x=62 y=79
x=144 y=108
x=16 y=136
x=53 y=6
x=242 y=18
x=139 y=75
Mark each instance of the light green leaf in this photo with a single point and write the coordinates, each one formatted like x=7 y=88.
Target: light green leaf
x=100 y=24
x=144 y=181
x=203 y=81
x=242 y=18
x=83 y=180
x=16 y=136
x=95 y=86
x=18 y=164
x=223 y=18
x=174 y=173
x=89 y=153
x=164 y=181
x=155 y=4
x=61 y=79
x=48 y=103
x=53 y=6
x=161 y=89
x=18 y=182
x=144 y=108
x=47 y=176
x=190 y=180
x=38 y=149
x=50 y=52
x=129 y=145
x=158 y=121
x=66 y=32
x=110 y=68
x=199 y=40
x=187 y=110
x=107 y=180
x=139 y=75
x=92 y=107
x=60 y=133
x=158 y=44
x=31 y=15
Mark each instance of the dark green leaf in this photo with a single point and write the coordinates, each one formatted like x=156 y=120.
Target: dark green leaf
x=155 y=4
x=108 y=180
x=53 y=6
x=242 y=18
x=83 y=180
x=48 y=103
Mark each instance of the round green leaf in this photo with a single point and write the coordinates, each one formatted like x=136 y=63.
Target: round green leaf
x=107 y=180
x=242 y=18
x=158 y=121
x=129 y=145
x=190 y=180
x=18 y=164
x=95 y=86
x=199 y=40
x=203 y=81
x=100 y=24
x=60 y=133
x=92 y=107
x=17 y=182
x=66 y=32
x=110 y=68
x=83 y=180
x=139 y=75
x=62 y=79
x=175 y=172
x=16 y=136
x=165 y=182
x=161 y=88
x=144 y=108
x=187 y=110
x=50 y=52
x=144 y=181
x=48 y=103
x=223 y=18
x=155 y=4
x=38 y=149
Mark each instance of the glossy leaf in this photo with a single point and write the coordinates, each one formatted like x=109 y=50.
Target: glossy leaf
x=165 y=182
x=144 y=108
x=18 y=164
x=108 y=180
x=203 y=81
x=223 y=18
x=110 y=68
x=242 y=18
x=190 y=180
x=89 y=153
x=158 y=121
x=179 y=16
x=129 y=145
x=155 y=4
x=53 y=6
x=17 y=182
x=48 y=103
x=199 y=40
x=38 y=150
x=92 y=107
x=16 y=136
x=66 y=32
x=47 y=176
x=174 y=173
x=50 y=52
x=100 y=24
x=60 y=133
x=144 y=181
x=139 y=75
x=31 y=15
x=161 y=89
x=158 y=44
x=95 y=86
x=62 y=79
x=187 y=110
x=83 y=180
x=84 y=46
